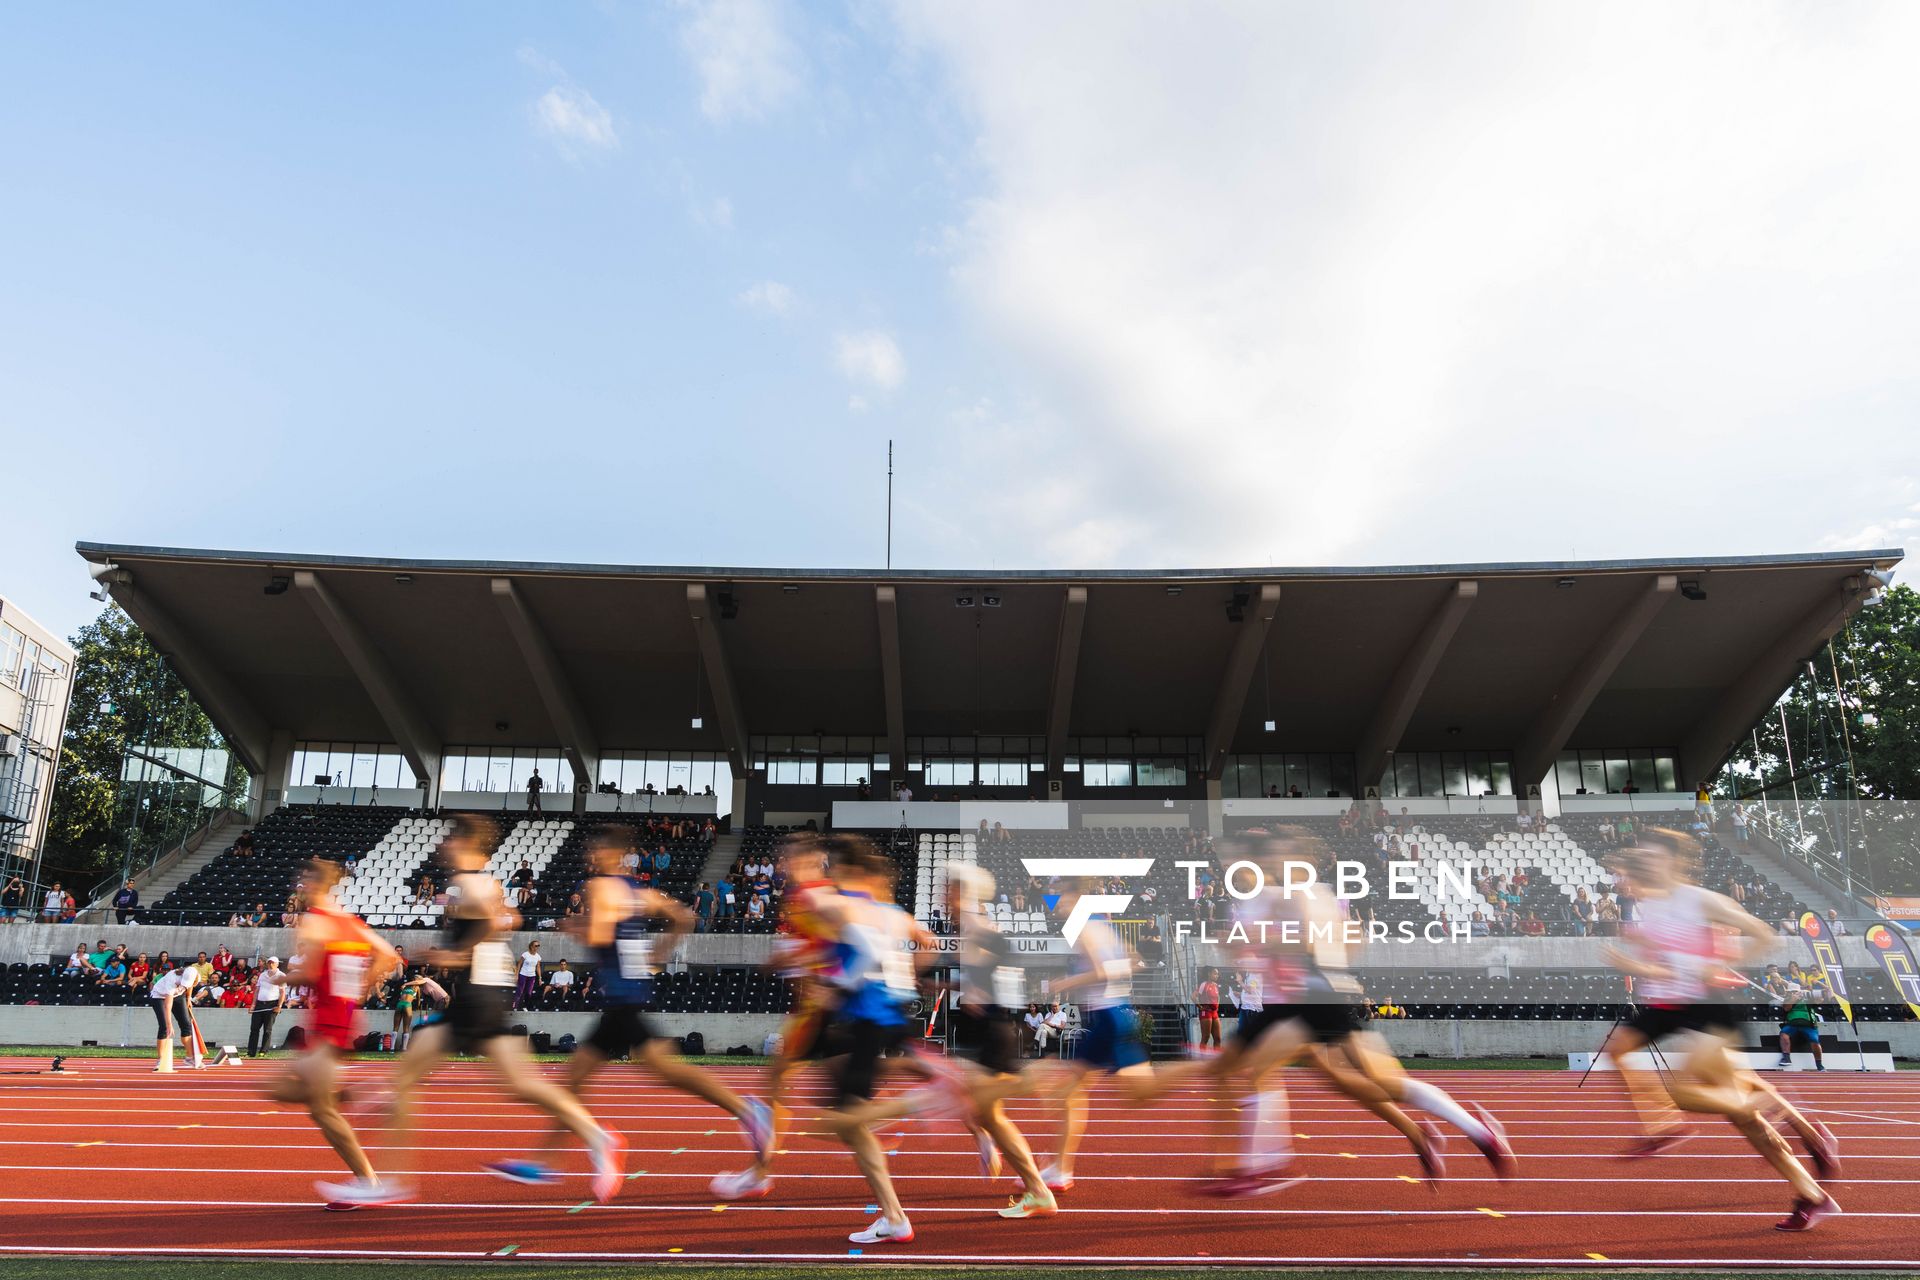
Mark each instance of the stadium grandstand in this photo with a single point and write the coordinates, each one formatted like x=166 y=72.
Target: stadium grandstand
x=1518 y=718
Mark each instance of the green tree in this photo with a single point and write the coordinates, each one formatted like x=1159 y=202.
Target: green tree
x=124 y=694
x=1849 y=727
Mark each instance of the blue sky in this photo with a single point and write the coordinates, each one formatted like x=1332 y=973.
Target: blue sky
x=655 y=283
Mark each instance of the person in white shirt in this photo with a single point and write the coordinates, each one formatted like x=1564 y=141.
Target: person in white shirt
x=560 y=980
x=529 y=976
x=172 y=998
x=269 y=989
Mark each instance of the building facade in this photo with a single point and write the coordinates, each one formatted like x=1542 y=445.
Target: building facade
x=36 y=686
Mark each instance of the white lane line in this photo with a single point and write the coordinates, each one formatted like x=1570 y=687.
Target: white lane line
x=705 y=1207
x=1029 y=1258
x=1858 y=1115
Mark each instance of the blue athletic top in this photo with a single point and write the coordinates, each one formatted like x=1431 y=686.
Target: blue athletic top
x=626 y=965
x=876 y=971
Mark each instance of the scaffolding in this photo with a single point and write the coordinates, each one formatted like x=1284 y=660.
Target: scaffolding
x=30 y=775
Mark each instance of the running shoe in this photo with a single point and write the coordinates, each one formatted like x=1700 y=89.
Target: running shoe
x=609 y=1159
x=884 y=1232
x=1245 y=1186
x=1498 y=1151
x=1807 y=1214
x=1785 y=1063
x=1029 y=1206
x=1432 y=1153
x=1655 y=1144
x=1825 y=1153
x=989 y=1155
x=746 y=1184
x=1056 y=1180
x=529 y=1173
x=757 y=1121
x=355 y=1193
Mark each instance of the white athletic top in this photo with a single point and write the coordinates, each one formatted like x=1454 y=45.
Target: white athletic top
x=268 y=988
x=1676 y=932
x=166 y=986
x=1102 y=953
x=528 y=963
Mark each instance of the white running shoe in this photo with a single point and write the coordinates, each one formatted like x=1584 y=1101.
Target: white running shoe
x=884 y=1232
x=746 y=1184
x=356 y=1192
x=1056 y=1180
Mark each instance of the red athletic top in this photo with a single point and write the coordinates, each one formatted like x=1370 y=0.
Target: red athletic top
x=340 y=979
x=1208 y=998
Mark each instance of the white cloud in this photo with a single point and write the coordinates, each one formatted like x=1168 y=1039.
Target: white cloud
x=870 y=358
x=747 y=63
x=567 y=113
x=768 y=296
x=1400 y=281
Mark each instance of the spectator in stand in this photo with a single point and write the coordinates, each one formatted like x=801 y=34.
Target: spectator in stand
x=724 y=898
x=203 y=969
x=703 y=908
x=12 y=899
x=257 y=918
x=223 y=961
x=55 y=904
x=529 y=983
x=559 y=982
x=139 y=973
x=77 y=963
x=1835 y=925
x=1740 y=822
x=521 y=882
x=535 y=785
x=1584 y=913
x=863 y=790
x=243 y=844
x=125 y=903
x=1035 y=1022
x=239 y=994
x=290 y=917
x=115 y=973
x=756 y=908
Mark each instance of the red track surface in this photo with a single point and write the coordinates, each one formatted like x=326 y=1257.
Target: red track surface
x=119 y=1161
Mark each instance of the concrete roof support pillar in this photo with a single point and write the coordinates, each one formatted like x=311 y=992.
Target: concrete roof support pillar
x=398 y=711
x=1066 y=665
x=1231 y=697
x=886 y=605
x=244 y=728
x=556 y=692
x=1410 y=679
x=713 y=657
x=1553 y=728
x=1761 y=684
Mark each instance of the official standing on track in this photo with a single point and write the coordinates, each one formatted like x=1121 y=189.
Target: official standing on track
x=269 y=992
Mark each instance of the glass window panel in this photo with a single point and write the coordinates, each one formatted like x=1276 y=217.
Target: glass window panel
x=1567 y=772
x=1297 y=776
x=1593 y=774
x=1406 y=774
x=1341 y=769
x=1319 y=775
x=1433 y=778
x=1640 y=768
x=1273 y=773
x=1616 y=773
x=1453 y=773
x=1663 y=772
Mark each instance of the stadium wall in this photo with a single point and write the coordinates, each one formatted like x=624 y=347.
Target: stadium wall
x=35 y=943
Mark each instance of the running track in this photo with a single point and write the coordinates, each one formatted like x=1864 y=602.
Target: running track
x=115 y=1160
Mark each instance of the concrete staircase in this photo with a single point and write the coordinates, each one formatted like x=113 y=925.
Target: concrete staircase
x=726 y=847
x=1793 y=875
x=176 y=867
